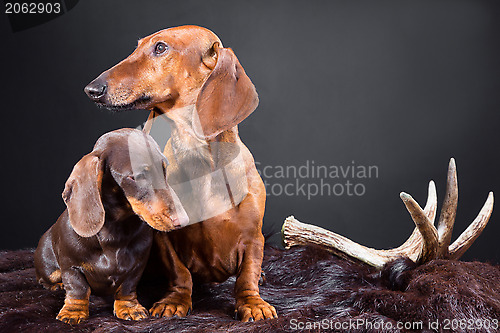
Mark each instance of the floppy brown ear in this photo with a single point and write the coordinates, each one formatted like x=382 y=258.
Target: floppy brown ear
x=82 y=196
x=227 y=96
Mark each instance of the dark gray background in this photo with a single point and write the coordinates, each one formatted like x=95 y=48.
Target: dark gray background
x=403 y=85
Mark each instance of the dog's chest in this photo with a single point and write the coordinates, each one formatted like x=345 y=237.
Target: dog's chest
x=118 y=259
x=110 y=269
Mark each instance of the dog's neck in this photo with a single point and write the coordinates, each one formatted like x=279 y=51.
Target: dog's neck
x=186 y=130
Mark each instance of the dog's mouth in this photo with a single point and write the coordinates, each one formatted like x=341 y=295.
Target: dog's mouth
x=140 y=103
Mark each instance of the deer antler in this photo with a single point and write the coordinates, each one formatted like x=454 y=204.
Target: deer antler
x=425 y=243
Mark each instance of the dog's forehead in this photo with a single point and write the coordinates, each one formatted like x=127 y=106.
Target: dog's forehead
x=141 y=144
x=131 y=144
x=182 y=37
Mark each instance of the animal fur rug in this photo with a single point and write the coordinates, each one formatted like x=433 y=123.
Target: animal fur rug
x=312 y=290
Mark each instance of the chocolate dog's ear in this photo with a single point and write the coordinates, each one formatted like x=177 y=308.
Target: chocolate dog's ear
x=227 y=96
x=82 y=196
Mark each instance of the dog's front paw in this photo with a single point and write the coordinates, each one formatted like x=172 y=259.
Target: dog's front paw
x=129 y=310
x=57 y=286
x=172 y=305
x=74 y=311
x=252 y=308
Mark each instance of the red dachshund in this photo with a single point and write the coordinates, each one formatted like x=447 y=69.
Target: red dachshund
x=187 y=75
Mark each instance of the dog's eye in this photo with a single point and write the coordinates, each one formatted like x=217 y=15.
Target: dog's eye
x=140 y=176
x=160 y=48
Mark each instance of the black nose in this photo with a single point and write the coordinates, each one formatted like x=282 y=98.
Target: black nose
x=95 y=90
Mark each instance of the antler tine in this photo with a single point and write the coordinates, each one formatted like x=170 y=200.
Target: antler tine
x=462 y=244
x=413 y=244
x=426 y=228
x=448 y=211
x=431 y=204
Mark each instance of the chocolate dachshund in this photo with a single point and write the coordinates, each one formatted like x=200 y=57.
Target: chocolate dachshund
x=100 y=243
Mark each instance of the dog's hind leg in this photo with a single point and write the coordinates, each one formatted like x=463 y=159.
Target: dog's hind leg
x=47 y=269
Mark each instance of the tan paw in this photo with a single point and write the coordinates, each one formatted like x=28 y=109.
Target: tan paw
x=254 y=308
x=172 y=305
x=57 y=286
x=74 y=311
x=129 y=310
